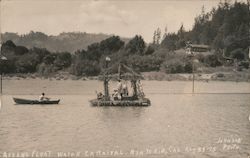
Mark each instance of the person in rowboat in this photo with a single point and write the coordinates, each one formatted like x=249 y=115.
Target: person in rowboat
x=43 y=98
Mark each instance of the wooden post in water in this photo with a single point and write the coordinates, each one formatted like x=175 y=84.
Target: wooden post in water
x=193 y=76
x=1 y=83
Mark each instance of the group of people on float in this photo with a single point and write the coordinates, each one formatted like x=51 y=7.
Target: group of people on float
x=120 y=91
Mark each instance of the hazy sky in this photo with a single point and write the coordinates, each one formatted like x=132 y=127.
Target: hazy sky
x=121 y=17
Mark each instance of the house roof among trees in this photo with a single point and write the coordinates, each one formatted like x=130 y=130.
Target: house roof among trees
x=198 y=46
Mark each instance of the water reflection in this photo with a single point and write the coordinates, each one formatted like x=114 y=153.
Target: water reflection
x=121 y=113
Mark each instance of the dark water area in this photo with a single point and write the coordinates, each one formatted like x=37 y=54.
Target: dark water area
x=177 y=124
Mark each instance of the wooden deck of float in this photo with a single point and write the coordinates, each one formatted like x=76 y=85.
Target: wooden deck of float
x=143 y=102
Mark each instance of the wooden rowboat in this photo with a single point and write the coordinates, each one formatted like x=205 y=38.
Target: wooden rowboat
x=28 y=101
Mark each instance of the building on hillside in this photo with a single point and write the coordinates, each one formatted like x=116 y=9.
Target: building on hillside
x=197 y=48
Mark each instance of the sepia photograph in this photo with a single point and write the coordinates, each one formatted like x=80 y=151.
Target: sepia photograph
x=125 y=79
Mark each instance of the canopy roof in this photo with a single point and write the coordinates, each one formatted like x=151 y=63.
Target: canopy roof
x=124 y=73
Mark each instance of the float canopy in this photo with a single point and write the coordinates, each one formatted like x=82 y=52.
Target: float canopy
x=124 y=73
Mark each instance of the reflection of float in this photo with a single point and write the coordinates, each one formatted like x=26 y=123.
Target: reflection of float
x=120 y=96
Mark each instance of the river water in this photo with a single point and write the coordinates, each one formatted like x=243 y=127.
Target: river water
x=214 y=122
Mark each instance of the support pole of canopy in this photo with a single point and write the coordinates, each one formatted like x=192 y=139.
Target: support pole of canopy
x=106 y=84
x=106 y=89
x=133 y=82
x=119 y=71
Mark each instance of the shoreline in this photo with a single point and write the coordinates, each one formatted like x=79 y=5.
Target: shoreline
x=149 y=76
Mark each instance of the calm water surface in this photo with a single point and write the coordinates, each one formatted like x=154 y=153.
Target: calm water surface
x=175 y=122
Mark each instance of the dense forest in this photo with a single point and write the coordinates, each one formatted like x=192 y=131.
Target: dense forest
x=225 y=28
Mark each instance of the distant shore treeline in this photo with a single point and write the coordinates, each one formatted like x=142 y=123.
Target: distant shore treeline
x=66 y=41
x=226 y=27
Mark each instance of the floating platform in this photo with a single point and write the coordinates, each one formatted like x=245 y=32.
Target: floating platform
x=139 y=102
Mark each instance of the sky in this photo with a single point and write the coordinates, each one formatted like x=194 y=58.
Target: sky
x=125 y=18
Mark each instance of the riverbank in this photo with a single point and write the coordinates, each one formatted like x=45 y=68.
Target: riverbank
x=237 y=76
x=217 y=76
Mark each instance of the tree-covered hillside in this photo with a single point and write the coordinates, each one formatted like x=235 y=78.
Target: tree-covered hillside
x=70 y=41
x=224 y=28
